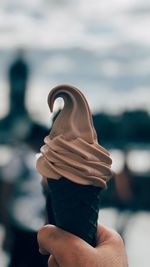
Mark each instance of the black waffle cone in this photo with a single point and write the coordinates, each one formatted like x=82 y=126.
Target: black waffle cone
x=75 y=208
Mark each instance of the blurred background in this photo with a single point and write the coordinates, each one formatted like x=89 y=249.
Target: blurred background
x=103 y=48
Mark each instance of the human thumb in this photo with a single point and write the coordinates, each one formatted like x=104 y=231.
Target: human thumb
x=64 y=246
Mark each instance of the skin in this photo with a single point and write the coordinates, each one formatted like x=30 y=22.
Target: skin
x=67 y=250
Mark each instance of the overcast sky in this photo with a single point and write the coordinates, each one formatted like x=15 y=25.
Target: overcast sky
x=102 y=47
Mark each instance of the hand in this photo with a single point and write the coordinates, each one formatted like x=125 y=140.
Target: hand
x=67 y=250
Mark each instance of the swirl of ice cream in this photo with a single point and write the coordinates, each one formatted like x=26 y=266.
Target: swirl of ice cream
x=71 y=149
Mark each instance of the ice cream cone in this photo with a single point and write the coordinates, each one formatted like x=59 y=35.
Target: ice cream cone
x=49 y=209
x=75 y=207
x=76 y=166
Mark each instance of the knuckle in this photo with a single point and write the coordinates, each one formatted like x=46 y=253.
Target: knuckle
x=118 y=239
x=42 y=232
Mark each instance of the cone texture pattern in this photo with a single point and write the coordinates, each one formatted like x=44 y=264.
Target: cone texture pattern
x=75 y=207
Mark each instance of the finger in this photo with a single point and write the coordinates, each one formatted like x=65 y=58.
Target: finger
x=43 y=251
x=106 y=236
x=65 y=247
x=103 y=234
x=52 y=262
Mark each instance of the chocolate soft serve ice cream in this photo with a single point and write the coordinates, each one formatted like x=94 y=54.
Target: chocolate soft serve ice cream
x=75 y=165
x=71 y=149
